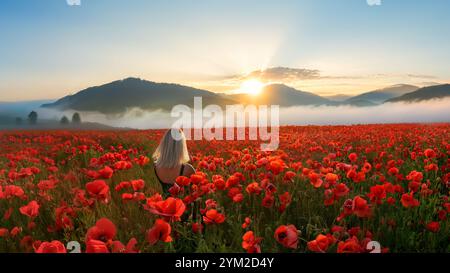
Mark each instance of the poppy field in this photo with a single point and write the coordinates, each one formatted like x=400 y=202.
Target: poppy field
x=326 y=189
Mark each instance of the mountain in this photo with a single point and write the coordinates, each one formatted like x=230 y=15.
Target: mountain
x=280 y=94
x=338 y=97
x=119 y=96
x=381 y=95
x=426 y=93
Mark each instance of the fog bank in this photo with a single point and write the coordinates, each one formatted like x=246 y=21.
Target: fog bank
x=426 y=111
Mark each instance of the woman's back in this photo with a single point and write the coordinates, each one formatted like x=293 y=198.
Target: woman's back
x=170 y=158
x=168 y=175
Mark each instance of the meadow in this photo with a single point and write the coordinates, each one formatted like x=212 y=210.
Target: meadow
x=326 y=189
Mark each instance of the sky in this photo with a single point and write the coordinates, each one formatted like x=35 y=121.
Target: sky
x=49 y=49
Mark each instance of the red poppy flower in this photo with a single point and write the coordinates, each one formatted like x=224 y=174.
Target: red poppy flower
x=182 y=181
x=289 y=176
x=253 y=188
x=285 y=200
x=137 y=184
x=31 y=210
x=341 y=190
x=159 y=232
x=415 y=176
x=287 y=236
x=377 y=194
x=238 y=198
x=232 y=181
x=96 y=246
x=350 y=246
x=429 y=153
x=64 y=217
x=104 y=230
x=433 y=226
x=122 y=185
x=353 y=157
x=212 y=216
x=315 y=180
x=360 y=207
x=431 y=167
x=276 y=166
x=15 y=231
x=118 y=247
x=4 y=232
x=219 y=182
x=119 y=165
x=251 y=243
x=320 y=244
x=268 y=201
x=51 y=247
x=171 y=208
x=12 y=191
x=408 y=200
x=247 y=222
x=142 y=160
x=331 y=178
x=197 y=178
x=106 y=172
x=197 y=228
x=98 y=189
x=127 y=196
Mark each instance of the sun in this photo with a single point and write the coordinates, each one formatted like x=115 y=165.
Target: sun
x=251 y=87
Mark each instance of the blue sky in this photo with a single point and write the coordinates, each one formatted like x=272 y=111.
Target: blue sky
x=49 y=49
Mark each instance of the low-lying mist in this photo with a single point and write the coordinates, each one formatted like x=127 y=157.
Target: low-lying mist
x=420 y=112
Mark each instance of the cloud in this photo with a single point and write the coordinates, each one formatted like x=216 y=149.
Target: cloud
x=421 y=76
x=284 y=74
x=293 y=75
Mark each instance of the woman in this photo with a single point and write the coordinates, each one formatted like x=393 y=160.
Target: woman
x=171 y=159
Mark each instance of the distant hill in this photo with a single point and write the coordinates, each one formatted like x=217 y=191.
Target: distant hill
x=280 y=94
x=426 y=93
x=381 y=95
x=338 y=97
x=119 y=96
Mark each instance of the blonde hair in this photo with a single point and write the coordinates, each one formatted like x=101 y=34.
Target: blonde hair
x=172 y=150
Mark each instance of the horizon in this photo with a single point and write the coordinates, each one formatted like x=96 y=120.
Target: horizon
x=225 y=93
x=324 y=47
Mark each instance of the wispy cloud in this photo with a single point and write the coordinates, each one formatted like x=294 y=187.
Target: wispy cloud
x=290 y=74
x=419 y=76
x=285 y=74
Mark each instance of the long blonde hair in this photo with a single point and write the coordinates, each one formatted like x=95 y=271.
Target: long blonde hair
x=172 y=150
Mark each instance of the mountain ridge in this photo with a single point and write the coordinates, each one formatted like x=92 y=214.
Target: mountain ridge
x=379 y=96
x=109 y=98
x=425 y=93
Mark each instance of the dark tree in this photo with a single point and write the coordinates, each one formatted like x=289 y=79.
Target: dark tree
x=32 y=117
x=76 y=118
x=19 y=121
x=64 y=120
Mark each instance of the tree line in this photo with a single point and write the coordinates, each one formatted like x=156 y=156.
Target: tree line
x=33 y=119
